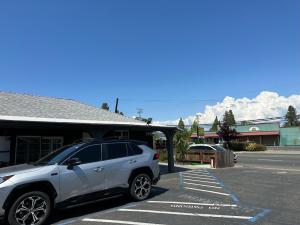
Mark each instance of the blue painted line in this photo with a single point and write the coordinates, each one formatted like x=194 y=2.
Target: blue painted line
x=180 y=182
x=67 y=222
x=260 y=215
x=232 y=195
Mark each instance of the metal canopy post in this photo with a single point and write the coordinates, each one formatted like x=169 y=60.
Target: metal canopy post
x=170 y=149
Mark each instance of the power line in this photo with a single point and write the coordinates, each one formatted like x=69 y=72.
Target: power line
x=253 y=121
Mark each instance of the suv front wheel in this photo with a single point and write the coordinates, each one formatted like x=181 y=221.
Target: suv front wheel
x=30 y=208
x=140 y=187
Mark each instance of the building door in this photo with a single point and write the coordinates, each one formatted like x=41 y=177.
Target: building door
x=4 y=150
x=27 y=149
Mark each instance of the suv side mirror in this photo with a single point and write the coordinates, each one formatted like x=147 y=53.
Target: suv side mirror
x=73 y=162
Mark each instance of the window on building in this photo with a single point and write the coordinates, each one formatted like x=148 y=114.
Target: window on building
x=122 y=134
x=32 y=148
x=114 y=150
x=49 y=144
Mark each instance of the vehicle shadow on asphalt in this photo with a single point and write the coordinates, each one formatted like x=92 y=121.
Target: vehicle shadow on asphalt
x=164 y=169
x=59 y=216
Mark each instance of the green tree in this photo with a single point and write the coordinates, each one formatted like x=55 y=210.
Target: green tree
x=181 y=148
x=228 y=118
x=226 y=133
x=181 y=140
x=194 y=126
x=215 y=125
x=181 y=124
x=105 y=106
x=231 y=118
x=291 y=117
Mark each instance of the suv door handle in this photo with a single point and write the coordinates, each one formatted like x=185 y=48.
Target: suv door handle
x=98 y=169
x=132 y=161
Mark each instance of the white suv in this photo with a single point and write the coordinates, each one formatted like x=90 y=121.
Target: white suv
x=74 y=175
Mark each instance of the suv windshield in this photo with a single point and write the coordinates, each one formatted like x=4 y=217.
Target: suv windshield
x=58 y=155
x=218 y=148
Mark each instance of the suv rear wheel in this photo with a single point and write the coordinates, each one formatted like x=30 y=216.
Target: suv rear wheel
x=140 y=187
x=31 y=208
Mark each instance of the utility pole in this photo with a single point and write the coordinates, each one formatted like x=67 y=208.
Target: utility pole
x=197 y=118
x=139 y=112
x=116 y=107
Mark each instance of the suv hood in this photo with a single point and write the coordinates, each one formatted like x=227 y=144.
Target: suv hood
x=13 y=170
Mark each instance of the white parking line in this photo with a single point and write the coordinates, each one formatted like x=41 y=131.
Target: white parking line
x=118 y=222
x=214 y=192
x=202 y=181
x=271 y=160
x=197 y=177
x=193 y=203
x=204 y=185
x=196 y=171
x=187 y=214
x=196 y=174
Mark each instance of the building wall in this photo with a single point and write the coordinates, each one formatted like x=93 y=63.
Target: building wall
x=290 y=136
x=32 y=142
x=272 y=140
x=19 y=145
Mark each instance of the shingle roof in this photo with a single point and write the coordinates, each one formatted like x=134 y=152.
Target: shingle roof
x=14 y=105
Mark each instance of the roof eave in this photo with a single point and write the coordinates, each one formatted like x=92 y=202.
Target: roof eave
x=76 y=121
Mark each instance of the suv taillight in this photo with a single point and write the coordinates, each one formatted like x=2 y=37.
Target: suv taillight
x=156 y=156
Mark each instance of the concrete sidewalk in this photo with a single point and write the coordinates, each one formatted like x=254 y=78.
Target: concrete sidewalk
x=283 y=152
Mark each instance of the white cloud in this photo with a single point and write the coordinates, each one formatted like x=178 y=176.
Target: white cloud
x=265 y=105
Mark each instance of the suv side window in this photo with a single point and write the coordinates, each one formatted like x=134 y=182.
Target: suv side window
x=201 y=148
x=114 y=151
x=89 y=154
x=197 y=148
x=134 y=150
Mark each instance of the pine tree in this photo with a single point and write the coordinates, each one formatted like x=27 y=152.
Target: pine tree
x=215 y=125
x=194 y=127
x=228 y=118
x=291 y=117
x=231 y=118
x=181 y=124
x=105 y=106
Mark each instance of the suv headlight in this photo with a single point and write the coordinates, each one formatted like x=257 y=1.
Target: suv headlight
x=3 y=179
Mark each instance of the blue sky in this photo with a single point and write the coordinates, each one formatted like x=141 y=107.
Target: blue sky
x=170 y=58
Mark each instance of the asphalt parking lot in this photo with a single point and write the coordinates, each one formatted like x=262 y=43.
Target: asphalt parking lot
x=186 y=197
x=261 y=189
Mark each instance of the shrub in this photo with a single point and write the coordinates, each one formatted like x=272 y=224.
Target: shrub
x=237 y=146
x=255 y=147
x=245 y=146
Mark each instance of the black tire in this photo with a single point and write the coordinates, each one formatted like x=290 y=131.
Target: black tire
x=37 y=205
x=140 y=187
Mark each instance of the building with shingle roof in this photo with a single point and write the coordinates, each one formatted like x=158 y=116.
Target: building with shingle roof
x=32 y=126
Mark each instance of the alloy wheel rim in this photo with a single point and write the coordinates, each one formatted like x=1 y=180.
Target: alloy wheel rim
x=31 y=210
x=142 y=187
